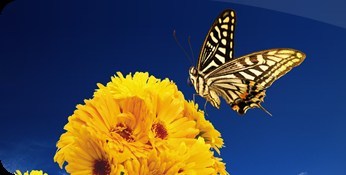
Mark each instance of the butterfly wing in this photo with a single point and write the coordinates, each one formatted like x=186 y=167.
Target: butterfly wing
x=242 y=82
x=217 y=48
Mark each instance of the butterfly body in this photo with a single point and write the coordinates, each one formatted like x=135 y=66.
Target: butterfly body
x=242 y=81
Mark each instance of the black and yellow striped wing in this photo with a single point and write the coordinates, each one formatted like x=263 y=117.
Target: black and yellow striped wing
x=217 y=48
x=242 y=82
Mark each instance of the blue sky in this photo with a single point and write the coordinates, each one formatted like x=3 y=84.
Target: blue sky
x=52 y=54
x=331 y=11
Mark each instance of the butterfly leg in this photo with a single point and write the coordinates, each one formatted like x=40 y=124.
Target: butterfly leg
x=194 y=97
x=205 y=108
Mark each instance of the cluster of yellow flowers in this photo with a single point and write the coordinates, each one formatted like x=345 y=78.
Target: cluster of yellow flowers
x=139 y=125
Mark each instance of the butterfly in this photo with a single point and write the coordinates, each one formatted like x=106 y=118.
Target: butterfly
x=242 y=81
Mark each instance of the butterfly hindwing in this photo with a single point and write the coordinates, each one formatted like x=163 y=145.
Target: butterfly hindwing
x=242 y=82
x=217 y=48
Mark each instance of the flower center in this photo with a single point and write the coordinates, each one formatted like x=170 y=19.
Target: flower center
x=101 y=167
x=159 y=130
x=124 y=132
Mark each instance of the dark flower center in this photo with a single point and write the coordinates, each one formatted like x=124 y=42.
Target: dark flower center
x=124 y=132
x=159 y=130
x=101 y=167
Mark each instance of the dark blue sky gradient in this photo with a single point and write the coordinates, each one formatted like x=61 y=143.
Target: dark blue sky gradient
x=330 y=12
x=52 y=54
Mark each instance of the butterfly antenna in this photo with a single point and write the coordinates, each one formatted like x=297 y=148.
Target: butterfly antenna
x=193 y=56
x=181 y=47
x=265 y=110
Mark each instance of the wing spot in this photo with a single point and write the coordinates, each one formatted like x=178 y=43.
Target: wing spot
x=289 y=64
x=296 y=60
x=226 y=20
x=263 y=67
x=299 y=55
x=247 y=76
x=273 y=52
x=218 y=31
x=223 y=41
x=248 y=61
x=276 y=73
x=212 y=63
x=224 y=33
x=270 y=62
x=256 y=72
x=274 y=58
x=213 y=37
x=220 y=58
x=222 y=50
x=233 y=95
x=263 y=83
x=286 y=51
x=283 y=55
x=269 y=79
x=224 y=26
x=282 y=68
x=232 y=13
x=231 y=54
x=260 y=58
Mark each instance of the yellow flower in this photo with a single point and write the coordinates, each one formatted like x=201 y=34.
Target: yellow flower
x=169 y=122
x=140 y=85
x=120 y=121
x=90 y=155
x=138 y=125
x=206 y=129
x=164 y=101
x=220 y=167
x=180 y=158
x=33 y=172
x=65 y=141
x=196 y=159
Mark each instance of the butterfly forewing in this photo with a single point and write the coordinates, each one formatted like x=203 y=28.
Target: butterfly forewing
x=217 y=48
